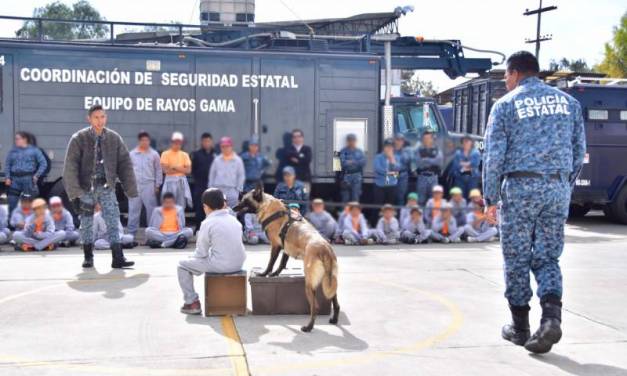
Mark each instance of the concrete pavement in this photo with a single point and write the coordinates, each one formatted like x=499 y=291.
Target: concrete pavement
x=428 y=310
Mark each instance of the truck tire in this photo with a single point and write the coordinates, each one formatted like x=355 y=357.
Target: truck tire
x=618 y=207
x=578 y=211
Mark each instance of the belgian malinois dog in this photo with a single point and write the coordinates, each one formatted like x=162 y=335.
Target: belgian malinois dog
x=299 y=239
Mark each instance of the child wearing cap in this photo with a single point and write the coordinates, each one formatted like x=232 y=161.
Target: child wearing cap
x=176 y=165
x=414 y=229
x=21 y=212
x=475 y=199
x=39 y=233
x=63 y=220
x=100 y=232
x=458 y=205
x=5 y=233
x=434 y=204
x=388 y=229
x=355 y=227
x=479 y=227
x=444 y=227
x=412 y=201
x=219 y=248
x=167 y=226
x=322 y=220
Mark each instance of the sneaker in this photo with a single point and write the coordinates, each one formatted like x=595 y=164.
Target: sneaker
x=446 y=240
x=153 y=244
x=51 y=247
x=471 y=239
x=25 y=248
x=180 y=243
x=191 y=309
x=458 y=240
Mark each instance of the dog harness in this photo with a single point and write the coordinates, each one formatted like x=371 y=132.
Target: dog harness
x=286 y=226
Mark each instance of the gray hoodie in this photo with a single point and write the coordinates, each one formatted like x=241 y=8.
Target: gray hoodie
x=219 y=241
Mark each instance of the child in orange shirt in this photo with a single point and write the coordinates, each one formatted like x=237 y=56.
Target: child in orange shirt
x=39 y=232
x=167 y=225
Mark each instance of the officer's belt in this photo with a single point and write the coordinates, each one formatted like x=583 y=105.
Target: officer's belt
x=22 y=174
x=530 y=174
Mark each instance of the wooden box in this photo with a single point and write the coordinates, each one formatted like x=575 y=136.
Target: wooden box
x=225 y=294
x=284 y=295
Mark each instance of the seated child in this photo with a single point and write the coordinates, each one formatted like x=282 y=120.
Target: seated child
x=63 y=220
x=458 y=206
x=479 y=227
x=405 y=212
x=340 y=225
x=39 y=232
x=167 y=225
x=414 y=229
x=322 y=220
x=21 y=212
x=5 y=233
x=387 y=230
x=219 y=248
x=355 y=226
x=444 y=227
x=100 y=232
x=434 y=205
x=475 y=199
x=253 y=232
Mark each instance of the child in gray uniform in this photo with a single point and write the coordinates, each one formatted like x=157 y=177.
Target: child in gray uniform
x=5 y=233
x=444 y=228
x=388 y=229
x=100 y=232
x=254 y=233
x=322 y=220
x=39 y=233
x=219 y=248
x=414 y=229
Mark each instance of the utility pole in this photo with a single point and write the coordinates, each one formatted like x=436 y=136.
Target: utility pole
x=539 y=38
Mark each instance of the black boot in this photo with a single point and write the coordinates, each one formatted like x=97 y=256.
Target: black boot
x=518 y=331
x=88 y=251
x=118 y=261
x=550 y=331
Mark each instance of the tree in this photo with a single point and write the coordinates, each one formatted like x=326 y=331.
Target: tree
x=81 y=10
x=614 y=63
x=578 y=65
x=411 y=84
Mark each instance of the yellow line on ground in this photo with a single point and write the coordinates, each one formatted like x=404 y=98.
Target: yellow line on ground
x=236 y=350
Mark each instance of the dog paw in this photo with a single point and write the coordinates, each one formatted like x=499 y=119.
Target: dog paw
x=333 y=320
x=307 y=328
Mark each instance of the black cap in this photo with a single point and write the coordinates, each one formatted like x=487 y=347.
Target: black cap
x=26 y=197
x=388 y=142
x=213 y=198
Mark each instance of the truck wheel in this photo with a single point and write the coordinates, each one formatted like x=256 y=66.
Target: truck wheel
x=618 y=207
x=578 y=211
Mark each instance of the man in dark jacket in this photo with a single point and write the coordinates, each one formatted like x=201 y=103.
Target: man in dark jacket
x=96 y=158
x=298 y=155
x=201 y=164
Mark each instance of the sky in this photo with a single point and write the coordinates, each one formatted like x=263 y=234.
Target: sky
x=579 y=27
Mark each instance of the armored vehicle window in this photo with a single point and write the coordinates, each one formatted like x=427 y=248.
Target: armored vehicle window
x=623 y=115
x=423 y=117
x=597 y=114
x=401 y=122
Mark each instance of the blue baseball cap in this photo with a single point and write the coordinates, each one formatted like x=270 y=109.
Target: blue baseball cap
x=289 y=170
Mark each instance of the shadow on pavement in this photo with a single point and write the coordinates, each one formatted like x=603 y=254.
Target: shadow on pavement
x=111 y=284
x=568 y=365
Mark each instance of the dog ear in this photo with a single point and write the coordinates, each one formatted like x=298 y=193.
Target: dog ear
x=258 y=192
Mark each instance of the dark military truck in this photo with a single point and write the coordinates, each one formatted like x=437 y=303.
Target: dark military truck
x=603 y=180
x=263 y=82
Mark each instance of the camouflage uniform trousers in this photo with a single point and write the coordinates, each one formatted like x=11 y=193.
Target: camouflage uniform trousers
x=424 y=185
x=110 y=213
x=533 y=214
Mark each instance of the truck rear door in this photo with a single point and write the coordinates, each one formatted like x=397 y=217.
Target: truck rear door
x=6 y=105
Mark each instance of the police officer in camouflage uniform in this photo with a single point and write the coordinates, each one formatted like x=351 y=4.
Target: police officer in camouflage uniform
x=96 y=158
x=291 y=189
x=403 y=156
x=535 y=146
x=352 y=160
x=429 y=160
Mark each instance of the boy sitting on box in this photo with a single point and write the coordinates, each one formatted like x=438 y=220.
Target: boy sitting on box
x=167 y=225
x=219 y=248
x=39 y=232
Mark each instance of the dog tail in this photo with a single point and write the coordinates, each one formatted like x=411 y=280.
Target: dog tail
x=329 y=281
